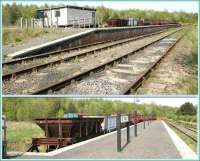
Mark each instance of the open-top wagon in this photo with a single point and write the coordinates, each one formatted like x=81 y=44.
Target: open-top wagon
x=60 y=132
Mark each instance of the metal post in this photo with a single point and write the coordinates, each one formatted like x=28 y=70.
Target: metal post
x=80 y=130
x=128 y=130
x=86 y=127
x=46 y=132
x=4 y=127
x=60 y=129
x=96 y=126
x=135 y=124
x=56 y=22
x=144 y=122
x=118 y=123
x=148 y=120
x=46 y=129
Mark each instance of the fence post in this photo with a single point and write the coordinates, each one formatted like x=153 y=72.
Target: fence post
x=135 y=124
x=144 y=122
x=128 y=130
x=118 y=124
x=26 y=21
x=73 y=23
x=21 y=23
x=79 y=23
x=31 y=22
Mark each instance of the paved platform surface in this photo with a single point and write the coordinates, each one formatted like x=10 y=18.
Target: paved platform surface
x=152 y=142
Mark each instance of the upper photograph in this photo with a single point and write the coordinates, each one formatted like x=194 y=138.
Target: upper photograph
x=99 y=48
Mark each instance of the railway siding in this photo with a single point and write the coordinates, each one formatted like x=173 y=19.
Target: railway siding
x=119 y=79
x=27 y=82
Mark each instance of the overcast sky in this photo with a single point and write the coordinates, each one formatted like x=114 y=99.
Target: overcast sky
x=187 y=6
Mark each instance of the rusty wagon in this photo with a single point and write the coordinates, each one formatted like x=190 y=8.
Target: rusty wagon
x=60 y=132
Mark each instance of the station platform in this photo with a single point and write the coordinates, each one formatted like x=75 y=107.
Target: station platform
x=153 y=142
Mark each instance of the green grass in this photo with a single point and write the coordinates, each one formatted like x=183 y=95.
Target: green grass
x=20 y=134
x=12 y=36
x=190 y=82
x=186 y=118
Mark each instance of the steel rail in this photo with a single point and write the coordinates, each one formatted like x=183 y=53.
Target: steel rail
x=189 y=128
x=191 y=137
x=9 y=75
x=100 y=67
x=138 y=82
x=19 y=60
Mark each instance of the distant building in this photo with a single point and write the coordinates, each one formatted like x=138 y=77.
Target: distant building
x=67 y=16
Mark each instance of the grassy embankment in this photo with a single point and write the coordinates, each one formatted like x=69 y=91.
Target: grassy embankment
x=12 y=36
x=190 y=82
x=20 y=134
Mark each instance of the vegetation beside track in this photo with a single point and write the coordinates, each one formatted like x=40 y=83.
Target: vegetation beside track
x=11 y=36
x=190 y=82
x=20 y=134
x=27 y=109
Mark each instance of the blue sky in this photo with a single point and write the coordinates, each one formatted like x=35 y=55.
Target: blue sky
x=171 y=6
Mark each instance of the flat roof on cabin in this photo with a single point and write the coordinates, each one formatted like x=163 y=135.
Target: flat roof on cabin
x=68 y=6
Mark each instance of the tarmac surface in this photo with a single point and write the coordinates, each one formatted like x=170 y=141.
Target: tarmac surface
x=151 y=142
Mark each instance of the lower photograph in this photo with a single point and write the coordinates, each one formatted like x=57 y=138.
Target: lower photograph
x=100 y=128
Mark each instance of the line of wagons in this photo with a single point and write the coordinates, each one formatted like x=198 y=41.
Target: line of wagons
x=136 y=22
x=73 y=128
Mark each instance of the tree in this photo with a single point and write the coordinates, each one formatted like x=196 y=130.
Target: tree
x=187 y=109
x=72 y=108
x=60 y=113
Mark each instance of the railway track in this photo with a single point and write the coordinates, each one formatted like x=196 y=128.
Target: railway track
x=118 y=79
x=20 y=66
x=87 y=71
x=191 y=133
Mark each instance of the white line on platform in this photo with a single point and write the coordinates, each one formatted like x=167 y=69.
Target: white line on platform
x=61 y=150
x=184 y=150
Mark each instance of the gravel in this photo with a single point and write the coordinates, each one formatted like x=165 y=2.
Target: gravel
x=115 y=80
x=55 y=73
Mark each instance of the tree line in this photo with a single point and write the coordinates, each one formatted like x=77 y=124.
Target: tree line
x=20 y=109
x=12 y=13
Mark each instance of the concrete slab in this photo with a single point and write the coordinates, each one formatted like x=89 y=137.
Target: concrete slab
x=152 y=142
